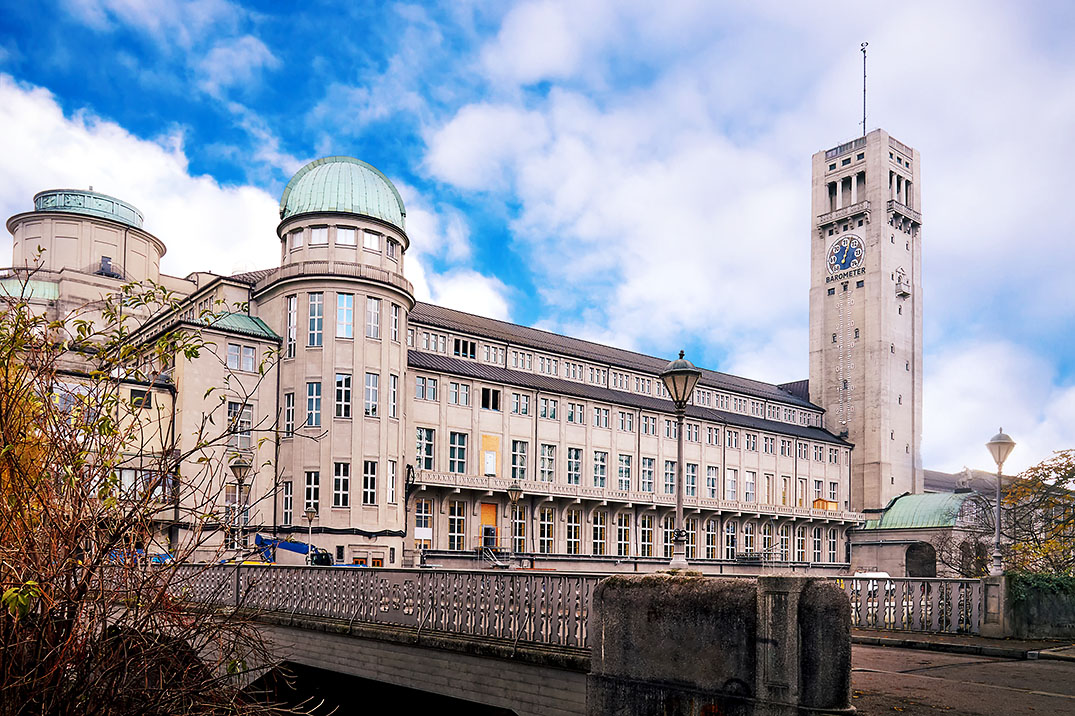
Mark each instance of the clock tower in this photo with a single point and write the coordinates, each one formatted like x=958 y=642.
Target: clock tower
x=866 y=310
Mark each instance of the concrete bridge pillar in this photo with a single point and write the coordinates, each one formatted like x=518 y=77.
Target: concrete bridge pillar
x=696 y=646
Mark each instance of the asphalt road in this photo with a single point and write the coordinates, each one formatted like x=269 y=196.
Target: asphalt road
x=886 y=680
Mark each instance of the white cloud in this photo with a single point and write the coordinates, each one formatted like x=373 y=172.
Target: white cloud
x=170 y=22
x=464 y=290
x=206 y=226
x=235 y=61
x=973 y=388
x=537 y=40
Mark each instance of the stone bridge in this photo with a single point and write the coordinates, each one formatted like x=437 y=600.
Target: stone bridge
x=557 y=643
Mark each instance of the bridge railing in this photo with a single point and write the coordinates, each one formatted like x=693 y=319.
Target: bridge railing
x=905 y=604
x=521 y=607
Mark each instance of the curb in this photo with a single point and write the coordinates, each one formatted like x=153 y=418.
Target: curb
x=1061 y=653
x=1003 y=652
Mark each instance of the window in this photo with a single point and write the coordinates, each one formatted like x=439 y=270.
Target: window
x=576 y=413
x=313 y=405
x=834 y=491
x=624 y=482
x=645 y=536
x=371 y=241
x=395 y=323
x=600 y=468
x=369 y=482
x=750 y=479
x=748 y=537
x=711 y=539
x=345 y=236
x=343 y=395
x=341 y=484
x=345 y=315
x=548 y=463
x=392 y=249
x=574 y=466
x=817 y=544
x=732 y=438
x=627 y=422
x=289 y=414
x=819 y=453
x=545 y=527
x=518 y=459
x=730 y=530
x=288 y=507
x=768 y=445
x=600 y=531
x=784 y=543
x=547 y=408
x=457 y=523
x=313 y=489
x=319 y=236
x=623 y=535
x=833 y=541
x=490 y=398
x=518 y=528
x=464 y=348
x=373 y=384
x=249 y=358
x=296 y=239
x=800 y=544
x=423 y=524
x=373 y=317
x=292 y=325
x=574 y=531
x=818 y=487
x=424 y=448
x=731 y=476
x=393 y=396
x=750 y=441
x=317 y=319
x=691 y=489
x=240 y=422
x=233 y=356
x=425 y=388
x=691 y=525
x=669 y=477
x=520 y=404
x=834 y=456
x=645 y=478
x=141 y=399
x=785 y=448
x=457 y=453
x=458 y=394
x=668 y=535
x=711 y=481
x=600 y=417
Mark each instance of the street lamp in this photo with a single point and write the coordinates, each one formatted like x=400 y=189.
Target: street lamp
x=679 y=378
x=240 y=467
x=1000 y=447
x=515 y=491
x=311 y=513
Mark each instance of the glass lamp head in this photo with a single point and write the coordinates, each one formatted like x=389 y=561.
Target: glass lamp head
x=1000 y=447
x=679 y=377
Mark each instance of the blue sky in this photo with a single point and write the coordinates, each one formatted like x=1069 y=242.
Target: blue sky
x=557 y=158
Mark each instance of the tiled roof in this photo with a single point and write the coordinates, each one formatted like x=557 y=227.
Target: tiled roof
x=495 y=374
x=449 y=319
x=247 y=325
x=253 y=277
x=932 y=509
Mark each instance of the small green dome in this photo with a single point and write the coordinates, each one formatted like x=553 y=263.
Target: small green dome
x=342 y=184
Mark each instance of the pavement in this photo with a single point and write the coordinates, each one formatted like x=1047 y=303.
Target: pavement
x=957 y=675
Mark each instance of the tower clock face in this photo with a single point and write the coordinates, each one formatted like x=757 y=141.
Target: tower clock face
x=847 y=253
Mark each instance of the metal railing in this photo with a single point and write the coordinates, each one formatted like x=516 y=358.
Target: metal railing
x=335 y=268
x=545 y=609
x=953 y=606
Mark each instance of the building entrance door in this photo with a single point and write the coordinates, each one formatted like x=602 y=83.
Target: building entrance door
x=488 y=525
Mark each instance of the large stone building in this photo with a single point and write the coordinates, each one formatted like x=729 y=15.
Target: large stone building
x=402 y=425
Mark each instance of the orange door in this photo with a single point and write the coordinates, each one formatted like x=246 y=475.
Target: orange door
x=488 y=531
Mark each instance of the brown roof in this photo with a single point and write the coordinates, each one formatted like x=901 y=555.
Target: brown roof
x=495 y=374
x=253 y=277
x=449 y=319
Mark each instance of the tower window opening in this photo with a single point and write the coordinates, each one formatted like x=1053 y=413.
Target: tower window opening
x=860 y=284
x=832 y=291
x=907 y=365
x=891 y=434
x=892 y=348
x=900 y=308
x=907 y=448
x=899 y=399
x=856 y=333
x=860 y=155
x=845 y=285
x=860 y=222
x=845 y=384
x=833 y=337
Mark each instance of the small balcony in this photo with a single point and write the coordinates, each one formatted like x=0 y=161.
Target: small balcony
x=861 y=208
x=895 y=207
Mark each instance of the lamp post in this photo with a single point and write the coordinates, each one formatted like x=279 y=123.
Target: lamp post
x=310 y=513
x=515 y=491
x=240 y=467
x=1000 y=446
x=679 y=378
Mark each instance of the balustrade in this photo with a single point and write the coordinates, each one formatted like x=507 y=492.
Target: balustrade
x=904 y=604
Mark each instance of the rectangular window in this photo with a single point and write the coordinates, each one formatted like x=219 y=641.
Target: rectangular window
x=520 y=404
x=463 y=348
x=768 y=445
x=547 y=408
x=317 y=319
x=800 y=544
x=343 y=395
x=574 y=531
x=318 y=236
x=750 y=480
x=600 y=468
x=313 y=490
x=391 y=249
x=373 y=384
x=423 y=524
x=623 y=535
x=292 y=325
x=425 y=388
x=645 y=535
x=624 y=482
x=391 y=481
x=341 y=484
x=545 y=527
x=518 y=528
x=710 y=539
x=369 y=482
x=395 y=323
x=393 y=396
x=817 y=544
x=834 y=491
x=373 y=317
x=751 y=441
x=457 y=453
x=691 y=480
x=249 y=358
x=457 y=524
x=424 y=448
x=233 y=356
x=345 y=315
x=833 y=541
x=785 y=550
x=288 y=507
x=490 y=399
x=645 y=475
x=296 y=239
x=748 y=537
x=345 y=236
x=691 y=525
x=241 y=423
x=600 y=531
x=730 y=530
x=518 y=459
x=574 y=466
x=669 y=477
x=548 y=462
x=732 y=438
x=711 y=481
x=458 y=393
x=289 y=414
x=371 y=241
x=731 y=491
x=668 y=532
x=313 y=405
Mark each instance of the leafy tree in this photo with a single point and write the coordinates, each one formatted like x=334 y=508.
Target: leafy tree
x=92 y=483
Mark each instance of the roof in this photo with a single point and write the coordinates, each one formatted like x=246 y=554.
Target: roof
x=451 y=319
x=90 y=203
x=247 y=325
x=979 y=481
x=253 y=277
x=931 y=509
x=495 y=374
x=346 y=185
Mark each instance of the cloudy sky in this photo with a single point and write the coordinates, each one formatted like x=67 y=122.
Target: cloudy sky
x=636 y=173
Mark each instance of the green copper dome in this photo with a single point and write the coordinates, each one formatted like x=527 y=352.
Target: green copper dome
x=342 y=184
